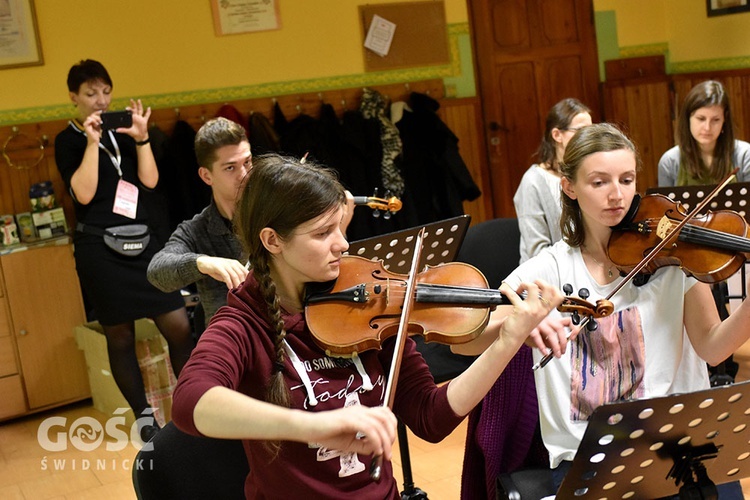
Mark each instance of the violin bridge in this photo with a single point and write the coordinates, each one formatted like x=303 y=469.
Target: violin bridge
x=664 y=227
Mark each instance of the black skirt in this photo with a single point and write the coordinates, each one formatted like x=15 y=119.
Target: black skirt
x=116 y=286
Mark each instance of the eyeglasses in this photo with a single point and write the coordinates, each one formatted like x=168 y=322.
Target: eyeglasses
x=573 y=129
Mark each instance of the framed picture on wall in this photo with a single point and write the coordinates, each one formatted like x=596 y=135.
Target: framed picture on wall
x=722 y=7
x=243 y=16
x=19 y=35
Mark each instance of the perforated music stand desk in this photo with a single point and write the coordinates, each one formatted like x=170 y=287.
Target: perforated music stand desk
x=735 y=196
x=441 y=243
x=627 y=449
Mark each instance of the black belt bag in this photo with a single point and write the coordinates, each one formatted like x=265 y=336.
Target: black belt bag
x=130 y=240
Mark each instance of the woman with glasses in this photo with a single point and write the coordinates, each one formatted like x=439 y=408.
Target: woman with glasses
x=537 y=199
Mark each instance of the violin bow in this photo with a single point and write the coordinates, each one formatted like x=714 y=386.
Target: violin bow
x=376 y=466
x=658 y=248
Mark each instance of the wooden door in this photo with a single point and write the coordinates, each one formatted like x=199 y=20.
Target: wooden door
x=529 y=55
x=45 y=304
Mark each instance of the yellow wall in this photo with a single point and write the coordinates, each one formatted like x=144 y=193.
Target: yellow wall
x=694 y=36
x=681 y=29
x=169 y=46
x=639 y=22
x=167 y=49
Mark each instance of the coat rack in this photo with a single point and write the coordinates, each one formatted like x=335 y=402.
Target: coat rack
x=15 y=183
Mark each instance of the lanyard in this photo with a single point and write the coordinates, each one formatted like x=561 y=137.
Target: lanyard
x=116 y=157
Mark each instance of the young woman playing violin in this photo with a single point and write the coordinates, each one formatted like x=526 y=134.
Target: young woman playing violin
x=640 y=351
x=311 y=423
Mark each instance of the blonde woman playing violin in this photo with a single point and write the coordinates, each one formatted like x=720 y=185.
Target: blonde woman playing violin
x=640 y=351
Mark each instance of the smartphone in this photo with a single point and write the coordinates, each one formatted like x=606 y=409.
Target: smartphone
x=116 y=119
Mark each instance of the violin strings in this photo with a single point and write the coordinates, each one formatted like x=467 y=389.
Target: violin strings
x=401 y=288
x=712 y=237
x=701 y=235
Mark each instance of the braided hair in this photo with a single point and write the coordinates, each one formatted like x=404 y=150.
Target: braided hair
x=280 y=193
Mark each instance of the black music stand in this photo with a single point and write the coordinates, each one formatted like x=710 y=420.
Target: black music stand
x=441 y=242
x=735 y=196
x=651 y=448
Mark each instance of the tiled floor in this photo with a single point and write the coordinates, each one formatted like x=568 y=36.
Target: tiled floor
x=29 y=472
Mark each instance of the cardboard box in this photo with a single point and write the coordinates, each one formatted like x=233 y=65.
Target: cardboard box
x=153 y=358
x=50 y=223
x=26 y=229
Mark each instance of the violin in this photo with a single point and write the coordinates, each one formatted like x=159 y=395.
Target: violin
x=710 y=247
x=648 y=237
x=389 y=205
x=452 y=305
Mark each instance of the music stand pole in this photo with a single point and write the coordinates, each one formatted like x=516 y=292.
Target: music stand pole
x=442 y=240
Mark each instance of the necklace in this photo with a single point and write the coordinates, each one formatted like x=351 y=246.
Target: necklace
x=609 y=269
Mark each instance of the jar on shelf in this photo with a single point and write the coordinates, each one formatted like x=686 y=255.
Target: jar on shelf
x=42 y=196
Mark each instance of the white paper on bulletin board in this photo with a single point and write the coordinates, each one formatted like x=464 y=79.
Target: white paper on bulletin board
x=245 y=16
x=380 y=35
x=420 y=39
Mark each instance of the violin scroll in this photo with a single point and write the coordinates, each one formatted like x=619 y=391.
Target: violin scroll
x=388 y=205
x=579 y=307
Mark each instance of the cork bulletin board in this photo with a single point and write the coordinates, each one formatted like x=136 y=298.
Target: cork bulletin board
x=420 y=38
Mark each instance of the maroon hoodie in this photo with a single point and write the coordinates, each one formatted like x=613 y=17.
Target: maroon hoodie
x=236 y=351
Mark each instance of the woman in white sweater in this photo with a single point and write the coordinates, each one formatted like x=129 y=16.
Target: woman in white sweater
x=537 y=199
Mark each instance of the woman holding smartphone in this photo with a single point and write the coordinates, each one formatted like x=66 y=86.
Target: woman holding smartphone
x=105 y=172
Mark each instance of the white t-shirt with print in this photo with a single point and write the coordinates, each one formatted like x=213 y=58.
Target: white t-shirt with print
x=640 y=351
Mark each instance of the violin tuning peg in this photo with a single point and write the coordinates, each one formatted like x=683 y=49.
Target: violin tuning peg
x=387 y=214
x=584 y=293
x=576 y=318
x=567 y=288
x=592 y=325
x=376 y=213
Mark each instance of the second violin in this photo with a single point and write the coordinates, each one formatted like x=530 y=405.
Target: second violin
x=710 y=247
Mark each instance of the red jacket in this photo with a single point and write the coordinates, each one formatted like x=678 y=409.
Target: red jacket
x=236 y=351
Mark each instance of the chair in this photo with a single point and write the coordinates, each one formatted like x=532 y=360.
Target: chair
x=492 y=247
x=476 y=250
x=533 y=483
x=185 y=467
x=503 y=438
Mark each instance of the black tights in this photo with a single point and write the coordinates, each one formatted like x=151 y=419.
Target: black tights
x=174 y=326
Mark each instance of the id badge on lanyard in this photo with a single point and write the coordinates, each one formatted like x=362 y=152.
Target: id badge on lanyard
x=126 y=196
